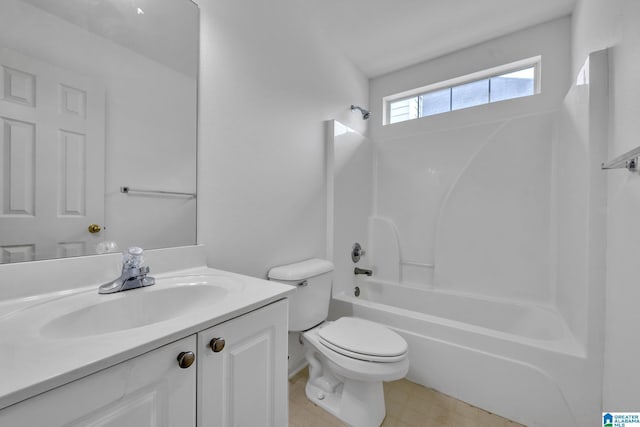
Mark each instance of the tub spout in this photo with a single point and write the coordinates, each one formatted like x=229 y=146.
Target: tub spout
x=362 y=271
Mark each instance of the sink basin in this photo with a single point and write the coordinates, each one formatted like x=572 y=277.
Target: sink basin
x=168 y=299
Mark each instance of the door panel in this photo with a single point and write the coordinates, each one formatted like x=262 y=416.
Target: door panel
x=52 y=142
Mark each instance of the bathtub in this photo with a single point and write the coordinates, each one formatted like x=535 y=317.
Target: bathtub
x=516 y=360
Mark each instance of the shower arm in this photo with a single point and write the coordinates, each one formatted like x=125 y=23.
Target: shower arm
x=365 y=113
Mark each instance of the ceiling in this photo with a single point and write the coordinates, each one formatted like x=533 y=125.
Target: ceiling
x=163 y=30
x=380 y=36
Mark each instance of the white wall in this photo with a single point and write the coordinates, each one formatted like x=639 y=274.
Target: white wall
x=150 y=125
x=267 y=84
x=616 y=24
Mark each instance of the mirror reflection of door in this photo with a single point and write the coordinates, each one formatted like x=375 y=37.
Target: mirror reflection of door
x=52 y=136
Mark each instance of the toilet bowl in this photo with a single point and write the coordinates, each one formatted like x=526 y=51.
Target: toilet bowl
x=345 y=378
x=348 y=358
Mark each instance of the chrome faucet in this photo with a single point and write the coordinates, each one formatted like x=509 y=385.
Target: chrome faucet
x=362 y=271
x=134 y=274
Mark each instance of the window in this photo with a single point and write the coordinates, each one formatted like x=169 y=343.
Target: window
x=509 y=81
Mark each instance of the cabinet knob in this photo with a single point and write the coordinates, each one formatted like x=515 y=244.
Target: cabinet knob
x=186 y=359
x=217 y=344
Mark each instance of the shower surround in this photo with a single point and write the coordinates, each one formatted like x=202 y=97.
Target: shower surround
x=485 y=231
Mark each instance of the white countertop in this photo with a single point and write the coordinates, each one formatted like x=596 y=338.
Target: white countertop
x=33 y=361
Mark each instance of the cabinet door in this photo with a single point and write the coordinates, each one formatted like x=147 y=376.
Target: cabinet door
x=245 y=383
x=149 y=390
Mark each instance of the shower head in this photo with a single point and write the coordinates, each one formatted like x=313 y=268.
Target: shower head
x=365 y=113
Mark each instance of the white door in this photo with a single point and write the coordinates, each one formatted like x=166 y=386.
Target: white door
x=148 y=391
x=52 y=136
x=244 y=384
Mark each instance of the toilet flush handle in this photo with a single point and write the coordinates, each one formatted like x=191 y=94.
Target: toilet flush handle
x=303 y=283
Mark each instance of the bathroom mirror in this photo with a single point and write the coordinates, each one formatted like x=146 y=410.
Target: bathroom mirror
x=98 y=104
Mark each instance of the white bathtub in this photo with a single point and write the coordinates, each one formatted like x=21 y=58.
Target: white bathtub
x=516 y=360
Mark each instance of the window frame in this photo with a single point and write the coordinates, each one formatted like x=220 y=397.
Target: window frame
x=535 y=62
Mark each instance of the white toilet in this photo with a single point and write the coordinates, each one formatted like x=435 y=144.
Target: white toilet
x=348 y=358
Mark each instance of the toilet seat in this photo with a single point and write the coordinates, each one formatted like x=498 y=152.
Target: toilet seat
x=355 y=368
x=363 y=340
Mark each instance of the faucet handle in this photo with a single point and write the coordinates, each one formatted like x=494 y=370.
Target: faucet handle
x=357 y=252
x=135 y=251
x=133 y=257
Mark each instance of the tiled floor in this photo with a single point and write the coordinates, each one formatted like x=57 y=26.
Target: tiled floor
x=408 y=405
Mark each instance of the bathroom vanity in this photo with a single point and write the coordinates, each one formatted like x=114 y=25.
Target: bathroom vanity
x=199 y=347
x=194 y=349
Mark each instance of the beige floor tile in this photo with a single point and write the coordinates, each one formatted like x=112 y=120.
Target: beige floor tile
x=390 y=421
x=487 y=419
x=397 y=394
x=395 y=408
x=412 y=417
x=443 y=400
x=467 y=411
x=408 y=405
x=426 y=405
x=457 y=420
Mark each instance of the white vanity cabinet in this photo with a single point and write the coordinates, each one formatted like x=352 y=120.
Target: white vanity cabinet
x=148 y=390
x=242 y=381
x=241 y=384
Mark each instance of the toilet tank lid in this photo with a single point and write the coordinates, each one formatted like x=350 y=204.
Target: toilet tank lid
x=301 y=270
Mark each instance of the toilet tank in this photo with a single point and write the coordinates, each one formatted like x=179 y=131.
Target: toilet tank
x=309 y=304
